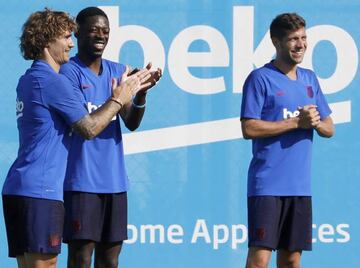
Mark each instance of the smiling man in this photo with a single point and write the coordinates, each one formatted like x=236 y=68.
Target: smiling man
x=47 y=108
x=282 y=105
x=96 y=182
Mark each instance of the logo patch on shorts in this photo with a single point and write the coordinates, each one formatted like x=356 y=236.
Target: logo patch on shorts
x=260 y=234
x=54 y=240
x=76 y=225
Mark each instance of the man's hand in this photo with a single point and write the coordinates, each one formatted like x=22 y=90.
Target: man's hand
x=309 y=117
x=129 y=86
x=151 y=81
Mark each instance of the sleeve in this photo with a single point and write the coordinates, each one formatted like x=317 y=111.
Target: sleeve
x=66 y=101
x=71 y=73
x=122 y=68
x=253 y=97
x=322 y=105
x=116 y=70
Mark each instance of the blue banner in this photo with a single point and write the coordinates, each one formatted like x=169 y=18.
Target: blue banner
x=188 y=162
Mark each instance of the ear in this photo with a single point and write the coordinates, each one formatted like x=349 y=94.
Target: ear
x=45 y=51
x=275 y=41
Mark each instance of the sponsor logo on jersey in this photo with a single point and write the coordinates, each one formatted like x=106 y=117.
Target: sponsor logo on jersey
x=19 y=108
x=290 y=114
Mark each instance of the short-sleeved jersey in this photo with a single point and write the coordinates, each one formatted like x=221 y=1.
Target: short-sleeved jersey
x=281 y=165
x=46 y=106
x=97 y=165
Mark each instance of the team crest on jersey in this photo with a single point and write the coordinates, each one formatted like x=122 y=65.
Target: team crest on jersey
x=85 y=86
x=310 y=91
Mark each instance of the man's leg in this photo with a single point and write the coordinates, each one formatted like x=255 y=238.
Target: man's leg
x=263 y=221
x=79 y=253
x=35 y=225
x=288 y=259
x=40 y=260
x=258 y=257
x=114 y=229
x=107 y=255
x=296 y=231
x=21 y=261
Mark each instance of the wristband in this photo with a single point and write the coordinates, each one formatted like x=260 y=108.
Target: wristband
x=138 y=106
x=118 y=102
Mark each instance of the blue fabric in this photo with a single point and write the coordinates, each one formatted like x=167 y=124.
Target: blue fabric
x=46 y=106
x=95 y=217
x=281 y=165
x=33 y=224
x=280 y=222
x=97 y=165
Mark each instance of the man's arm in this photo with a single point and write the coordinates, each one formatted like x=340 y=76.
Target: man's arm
x=132 y=114
x=92 y=124
x=255 y=128
x=308 y=118
x=134 y=111
x=325 y=128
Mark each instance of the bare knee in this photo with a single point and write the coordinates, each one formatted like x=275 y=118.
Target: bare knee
x=52 y=262
x=106 y=262
x=258 y=262
x=258 y=257
x=79 y=259
x=288 y=259
x=289 y=263
x=107 y=255
x=40 y=260
x=21 y=261
x=79 y=254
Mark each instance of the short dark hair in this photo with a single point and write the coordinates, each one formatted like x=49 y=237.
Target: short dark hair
x=41 y=28
x=284 y=23
x=89 y=12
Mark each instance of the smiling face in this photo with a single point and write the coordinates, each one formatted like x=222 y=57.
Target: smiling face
x=59 y=49
x=291 y=48
x=92 y=36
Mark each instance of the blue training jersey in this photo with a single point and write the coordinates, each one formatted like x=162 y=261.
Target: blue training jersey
x=281 y=165
x=97 y=165
x=45 y=107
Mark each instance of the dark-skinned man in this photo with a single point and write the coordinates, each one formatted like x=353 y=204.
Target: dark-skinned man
x=96 y=182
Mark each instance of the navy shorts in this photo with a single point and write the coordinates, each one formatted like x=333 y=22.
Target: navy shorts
x=280 y=222
x=96 y=217
x=33 y=225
